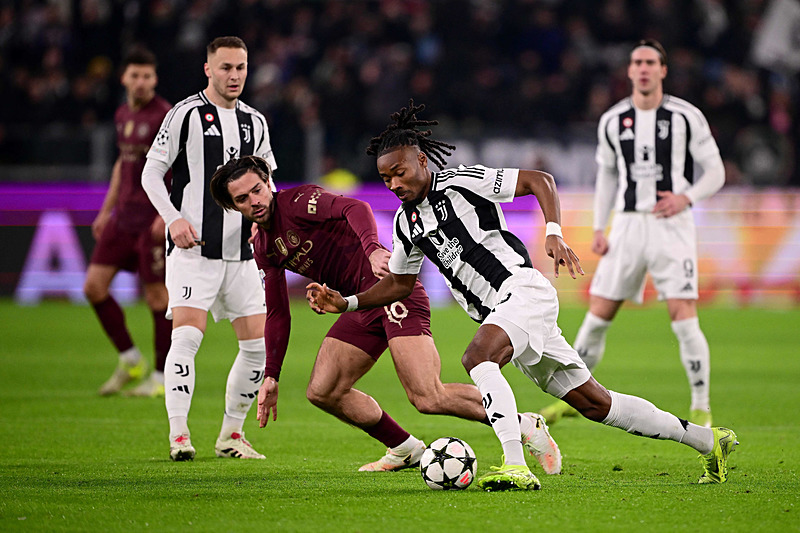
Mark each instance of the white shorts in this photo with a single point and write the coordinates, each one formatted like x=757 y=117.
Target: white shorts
x=528 y=313
x=229 y=289
x=639 y=243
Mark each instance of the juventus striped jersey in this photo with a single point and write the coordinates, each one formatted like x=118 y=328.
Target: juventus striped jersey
x=460 y=227
x=196 y=138
x=651 y=150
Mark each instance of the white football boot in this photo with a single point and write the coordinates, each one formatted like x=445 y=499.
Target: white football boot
x=237 y=447
x=393 y=462
x=180 y=448
x=541 y=445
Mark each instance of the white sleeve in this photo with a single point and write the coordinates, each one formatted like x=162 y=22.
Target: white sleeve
x=607 y=179
x=153 y=184
x=605 y=155
x=495 y=184
x=710 y=182
x=604 y=192
x=264 y=148
x=705 y=152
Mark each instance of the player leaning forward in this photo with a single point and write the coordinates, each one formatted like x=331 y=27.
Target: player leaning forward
x=209 y=263
x=453 y=217
x=333 y=239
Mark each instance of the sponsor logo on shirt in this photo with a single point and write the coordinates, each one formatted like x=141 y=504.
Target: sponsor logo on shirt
x=451 y=251
x=498 y=181
x=299 y=262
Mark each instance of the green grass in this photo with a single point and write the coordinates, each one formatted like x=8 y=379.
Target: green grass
x=72 y=461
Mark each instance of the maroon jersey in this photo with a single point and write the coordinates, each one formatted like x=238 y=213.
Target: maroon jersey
x=320 y=235
x=135 y=133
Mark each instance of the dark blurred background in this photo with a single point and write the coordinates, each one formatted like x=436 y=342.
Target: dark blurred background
x=327 y=74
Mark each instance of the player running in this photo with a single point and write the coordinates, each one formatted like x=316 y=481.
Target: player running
x=453 y=217
x=129 y=232
x=334 y=240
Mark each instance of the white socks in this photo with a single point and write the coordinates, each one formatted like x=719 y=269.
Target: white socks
x=244 y=380
x=407 y=446
x=591 y=340
x=131 y=356
x=696 y=359
x=640 y=417
x=179 y=376
x=501 y=408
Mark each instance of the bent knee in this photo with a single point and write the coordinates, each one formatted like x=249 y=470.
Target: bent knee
x=94 y=291
x=319 y=396
x=426 y=404
x=595 y=413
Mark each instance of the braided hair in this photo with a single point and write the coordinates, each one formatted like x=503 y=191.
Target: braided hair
x=403 y=132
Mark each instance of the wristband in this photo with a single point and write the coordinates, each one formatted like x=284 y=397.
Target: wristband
x=352 y=303
x=553 y=228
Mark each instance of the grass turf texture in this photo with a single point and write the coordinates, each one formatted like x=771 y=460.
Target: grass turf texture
x=74 y=461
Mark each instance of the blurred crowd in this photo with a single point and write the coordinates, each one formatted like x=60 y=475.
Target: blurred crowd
x=336 y=68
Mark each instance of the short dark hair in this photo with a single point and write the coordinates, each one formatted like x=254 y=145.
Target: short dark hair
x=139 y=55
x=404 y=131
x=228 y=41
x=232 y=171
x=655 y=45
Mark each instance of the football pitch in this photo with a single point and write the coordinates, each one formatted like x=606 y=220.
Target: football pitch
x=73 y=461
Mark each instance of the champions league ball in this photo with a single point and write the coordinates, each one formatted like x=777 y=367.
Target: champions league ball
x=448 y=464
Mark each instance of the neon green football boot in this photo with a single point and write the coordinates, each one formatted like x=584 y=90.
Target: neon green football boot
x=123 y=374
x=509 y=477
x=556 y=411
x=715 y=462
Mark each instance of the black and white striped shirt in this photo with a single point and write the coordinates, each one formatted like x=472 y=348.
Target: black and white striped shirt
x=195 y=139
x=460 y=227
x=652 y=150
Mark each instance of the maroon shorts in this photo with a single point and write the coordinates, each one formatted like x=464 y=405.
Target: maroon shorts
x=133 y=251
x=371 y=329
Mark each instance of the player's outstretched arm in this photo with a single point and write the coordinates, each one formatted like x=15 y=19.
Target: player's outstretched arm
x=392 y=288
x=267 y=401
x=543 y=186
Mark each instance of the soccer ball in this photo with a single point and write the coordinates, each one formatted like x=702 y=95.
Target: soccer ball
x=448 y=464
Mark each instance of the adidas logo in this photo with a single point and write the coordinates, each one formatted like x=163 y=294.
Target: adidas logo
x=627 y=135
x=213 y=131
x=182 y=388
x=495 y=417
x=687 y=287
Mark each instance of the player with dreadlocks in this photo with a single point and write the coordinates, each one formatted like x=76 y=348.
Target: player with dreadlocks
x=453 y=218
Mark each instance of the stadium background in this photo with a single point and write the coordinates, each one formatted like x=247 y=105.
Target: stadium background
x=513 y=83
x=518 y=84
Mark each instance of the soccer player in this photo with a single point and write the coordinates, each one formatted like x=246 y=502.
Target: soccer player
x=647 y=146
x=129 y=232
x=334 y=240
x=209 y=264
x=453 y=218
